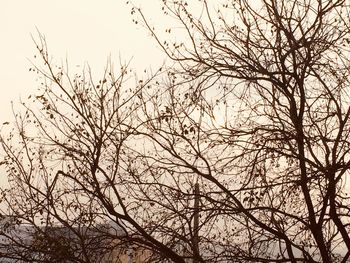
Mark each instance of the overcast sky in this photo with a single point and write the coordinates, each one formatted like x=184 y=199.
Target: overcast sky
x=81 y=30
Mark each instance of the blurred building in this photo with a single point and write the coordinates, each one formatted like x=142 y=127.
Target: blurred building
x=102 y=243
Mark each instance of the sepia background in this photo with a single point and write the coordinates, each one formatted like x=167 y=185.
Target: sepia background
x=81 y=31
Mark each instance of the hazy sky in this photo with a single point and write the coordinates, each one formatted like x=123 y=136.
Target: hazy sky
x=82 y=30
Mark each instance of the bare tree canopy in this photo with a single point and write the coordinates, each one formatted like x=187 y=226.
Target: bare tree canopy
x=238 y=152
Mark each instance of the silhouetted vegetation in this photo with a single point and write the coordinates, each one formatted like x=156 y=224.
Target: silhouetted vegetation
x=254 y=110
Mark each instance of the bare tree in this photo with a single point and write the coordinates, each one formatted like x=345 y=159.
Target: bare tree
x=236 y=153
x=277 y=72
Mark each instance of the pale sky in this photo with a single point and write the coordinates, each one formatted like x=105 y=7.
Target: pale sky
x=81 y=30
